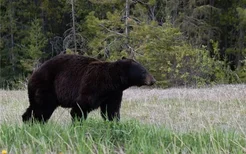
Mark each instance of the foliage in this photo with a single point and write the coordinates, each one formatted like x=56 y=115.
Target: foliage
x=159 y=48
x=174 y=39
x=174 y=62
x=105 y=38
x=35 y=41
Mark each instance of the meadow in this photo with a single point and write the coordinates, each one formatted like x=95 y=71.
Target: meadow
x=174 y=120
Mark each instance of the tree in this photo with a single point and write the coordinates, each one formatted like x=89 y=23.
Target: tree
x=35 y=42
x=71 y=36
x=9 y=41
x=113 y=33
x=109 y=29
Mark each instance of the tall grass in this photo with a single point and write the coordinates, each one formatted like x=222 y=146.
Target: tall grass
x=177 y=120
x=96 y=136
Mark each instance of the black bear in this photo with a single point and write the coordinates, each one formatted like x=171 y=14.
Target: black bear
x=83 y=84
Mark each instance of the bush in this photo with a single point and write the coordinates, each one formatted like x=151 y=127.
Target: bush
x=184 y=66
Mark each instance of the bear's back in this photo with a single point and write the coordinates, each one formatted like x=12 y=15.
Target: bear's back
x=62 y=73
x=61 y=64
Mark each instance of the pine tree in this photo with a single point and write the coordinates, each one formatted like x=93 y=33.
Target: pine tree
x=35 y=43
x=72 y=38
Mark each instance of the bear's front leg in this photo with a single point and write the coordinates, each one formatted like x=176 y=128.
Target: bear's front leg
x=110 y=112
x=111 y=107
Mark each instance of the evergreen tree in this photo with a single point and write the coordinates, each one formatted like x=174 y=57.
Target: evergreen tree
x=175 y=39
x=35 y=42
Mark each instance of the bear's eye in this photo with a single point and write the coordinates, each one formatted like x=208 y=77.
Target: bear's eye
x=143 y=73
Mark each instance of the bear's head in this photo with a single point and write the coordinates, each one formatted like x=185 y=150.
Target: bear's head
x=135 y=73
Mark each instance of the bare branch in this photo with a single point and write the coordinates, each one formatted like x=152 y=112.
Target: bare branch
x=112 y=31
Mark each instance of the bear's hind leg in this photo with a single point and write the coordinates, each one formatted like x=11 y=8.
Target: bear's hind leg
x=42 y=105
x=43 y=113
x=27 y=115
x=103 y=108
x=38 y=113
x=78 y=113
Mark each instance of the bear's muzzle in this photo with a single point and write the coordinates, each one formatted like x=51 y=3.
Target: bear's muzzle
x=150 y=80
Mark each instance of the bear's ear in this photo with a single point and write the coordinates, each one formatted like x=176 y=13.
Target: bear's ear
x=123 y=57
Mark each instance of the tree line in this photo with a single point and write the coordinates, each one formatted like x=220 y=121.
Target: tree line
x=181 y=42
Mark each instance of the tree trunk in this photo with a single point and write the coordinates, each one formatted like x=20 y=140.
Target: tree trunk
x=12 y=56
x=128 y=48
x=74 y=32
x=0 y=56
x=43 y=22
x=210 y=48
x=241 y=47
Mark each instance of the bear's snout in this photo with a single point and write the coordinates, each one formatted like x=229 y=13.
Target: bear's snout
x=150 y=80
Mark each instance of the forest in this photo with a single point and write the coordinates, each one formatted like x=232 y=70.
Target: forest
x=181 y=42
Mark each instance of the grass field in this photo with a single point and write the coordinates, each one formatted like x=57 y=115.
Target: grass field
x=176 y=120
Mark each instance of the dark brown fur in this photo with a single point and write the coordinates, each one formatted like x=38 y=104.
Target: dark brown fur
x=83 y=84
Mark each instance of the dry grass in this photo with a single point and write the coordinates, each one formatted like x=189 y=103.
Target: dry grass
x=186 y=109
x=181 y=109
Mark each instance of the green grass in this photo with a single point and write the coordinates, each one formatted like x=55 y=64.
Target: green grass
x=97 y=136
x=176 y=120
